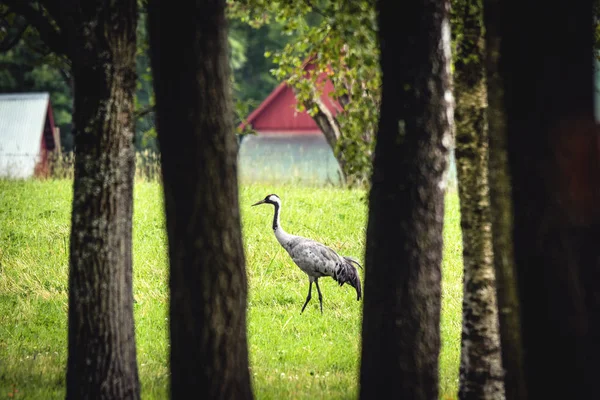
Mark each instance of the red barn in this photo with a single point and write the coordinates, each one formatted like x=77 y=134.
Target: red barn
x=288 y=146
x=277 y=114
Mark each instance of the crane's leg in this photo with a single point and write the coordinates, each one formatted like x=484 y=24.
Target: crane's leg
x=320 y=295
x=307 y=297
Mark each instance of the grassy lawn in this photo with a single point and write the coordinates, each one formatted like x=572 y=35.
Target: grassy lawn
x=292 y=356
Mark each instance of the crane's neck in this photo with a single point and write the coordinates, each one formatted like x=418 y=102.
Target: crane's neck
x=276 y=225
x=282 y=236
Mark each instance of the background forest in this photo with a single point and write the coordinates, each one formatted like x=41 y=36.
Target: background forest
x=24 y=67
x=268 y=44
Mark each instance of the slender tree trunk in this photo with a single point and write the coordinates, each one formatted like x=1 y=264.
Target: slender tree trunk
x=208 y=284
x=401 y=340
x=553 y=156
x=331 y=129
x=102 y=354
x=502 y=212
x=480 y=367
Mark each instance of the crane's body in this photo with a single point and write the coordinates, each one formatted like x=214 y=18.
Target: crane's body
x=314 y=258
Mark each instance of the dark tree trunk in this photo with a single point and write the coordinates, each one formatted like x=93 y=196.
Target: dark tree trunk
x=502 y=212
x=102 y=354
x=553 y=156
x=401 y=340
x=480 y=367
x=208 y=284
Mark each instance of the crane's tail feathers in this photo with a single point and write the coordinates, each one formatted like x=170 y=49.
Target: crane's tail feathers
x=353 y=261
x=347 y=273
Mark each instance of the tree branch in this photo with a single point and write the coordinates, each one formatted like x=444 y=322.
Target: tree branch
x=34 y=16
x=326 y=121
x=318 y=10
x=66 y=74
x=143 y=112
x=11 y=42
x=52 y=7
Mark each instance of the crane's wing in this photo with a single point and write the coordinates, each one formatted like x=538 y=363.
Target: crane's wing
x=314 y=258
x=318 y=260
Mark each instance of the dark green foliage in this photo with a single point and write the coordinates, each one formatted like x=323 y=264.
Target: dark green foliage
x=27 y=65
x=252 y=79
x=145 y=135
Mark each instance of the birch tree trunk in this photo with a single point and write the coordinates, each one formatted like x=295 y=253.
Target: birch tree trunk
x=401 y=339
x=480 y=368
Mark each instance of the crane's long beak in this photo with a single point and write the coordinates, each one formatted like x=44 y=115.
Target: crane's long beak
x=257 y=203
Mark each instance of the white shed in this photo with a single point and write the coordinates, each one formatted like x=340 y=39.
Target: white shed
x=27 y=134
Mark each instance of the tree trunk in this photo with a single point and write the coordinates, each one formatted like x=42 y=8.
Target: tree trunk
x=502 y=212
x=553 y=155
x=326 y=121
x=102 y=354
x=208 y=284
x=480 y=367
x=331 y=129
x=401 y=340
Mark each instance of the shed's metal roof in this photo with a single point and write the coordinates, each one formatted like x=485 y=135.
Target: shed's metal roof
x=22 y=118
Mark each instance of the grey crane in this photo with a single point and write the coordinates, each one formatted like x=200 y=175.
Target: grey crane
x=314 y=258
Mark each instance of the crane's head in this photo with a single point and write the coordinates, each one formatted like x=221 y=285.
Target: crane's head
x=270 y=199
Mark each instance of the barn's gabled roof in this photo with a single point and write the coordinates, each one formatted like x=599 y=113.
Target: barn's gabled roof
x=22 y=120
x=277 y=113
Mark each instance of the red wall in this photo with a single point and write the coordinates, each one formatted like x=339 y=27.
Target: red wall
x=278 y=112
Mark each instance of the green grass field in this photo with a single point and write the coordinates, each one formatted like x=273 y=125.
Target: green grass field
x=292 y=356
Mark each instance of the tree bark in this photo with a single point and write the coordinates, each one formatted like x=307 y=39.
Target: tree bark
x=480 y=367
x=331 y=129
x=401 y=339
x=553 y=156
x=500 y=182
x=102 y=355
x=208 y=284
x=326 y=121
